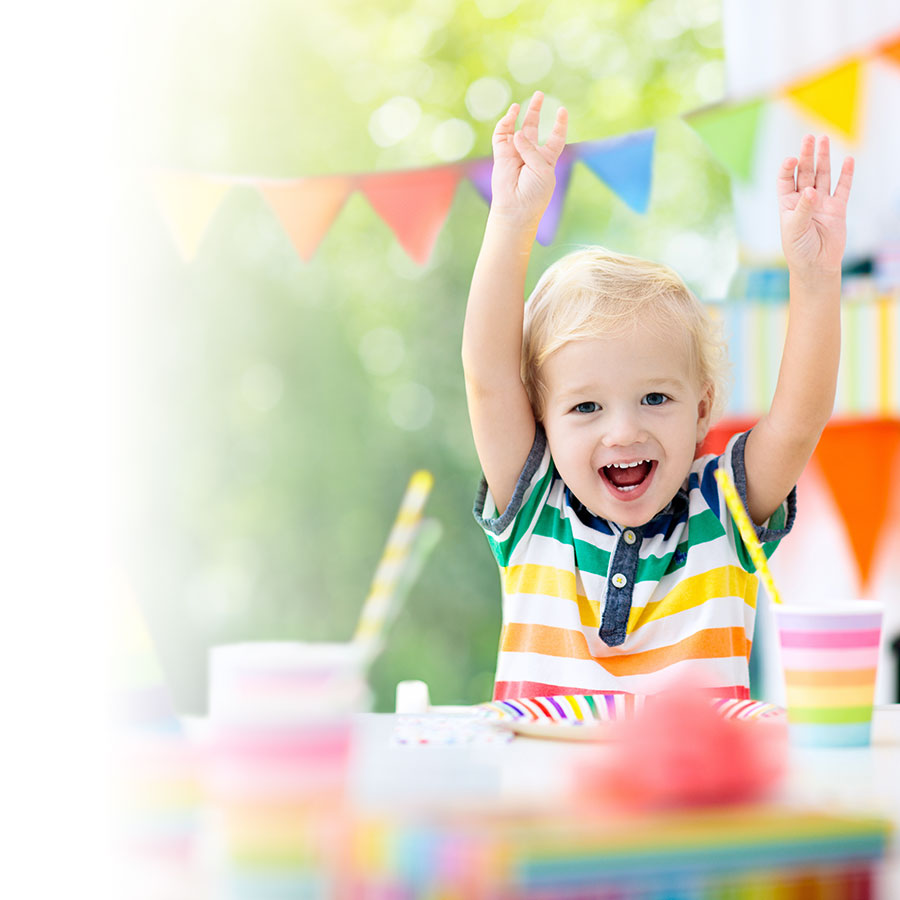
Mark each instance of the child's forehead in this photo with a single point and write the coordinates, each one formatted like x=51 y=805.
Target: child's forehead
x=641 y=356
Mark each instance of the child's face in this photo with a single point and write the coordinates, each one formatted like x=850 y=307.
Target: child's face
x=621 y=400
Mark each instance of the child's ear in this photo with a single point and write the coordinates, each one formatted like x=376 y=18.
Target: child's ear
x=704 y=412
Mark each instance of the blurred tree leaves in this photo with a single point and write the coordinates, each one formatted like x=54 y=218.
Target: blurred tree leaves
x=272 y=410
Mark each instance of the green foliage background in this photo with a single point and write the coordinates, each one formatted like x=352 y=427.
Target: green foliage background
x=272 y=410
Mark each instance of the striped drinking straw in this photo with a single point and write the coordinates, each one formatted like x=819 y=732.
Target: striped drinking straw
x=748 y=533
x=399 y=555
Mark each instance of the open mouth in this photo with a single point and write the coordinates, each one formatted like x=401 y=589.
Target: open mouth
x=625 y=478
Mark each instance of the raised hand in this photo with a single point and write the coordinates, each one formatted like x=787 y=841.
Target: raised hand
x=813 y=219
x=523 y=176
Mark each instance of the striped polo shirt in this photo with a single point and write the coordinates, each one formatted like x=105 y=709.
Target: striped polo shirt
x=589 y=607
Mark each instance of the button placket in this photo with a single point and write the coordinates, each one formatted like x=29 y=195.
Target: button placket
x=620 y=587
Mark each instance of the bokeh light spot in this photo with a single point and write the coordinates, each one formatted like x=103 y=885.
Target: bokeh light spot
x=529 y=60
x=452 y=139
x=394 y=120
x=487 y=98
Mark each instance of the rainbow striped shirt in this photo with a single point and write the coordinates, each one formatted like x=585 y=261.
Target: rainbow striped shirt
x=589 y=607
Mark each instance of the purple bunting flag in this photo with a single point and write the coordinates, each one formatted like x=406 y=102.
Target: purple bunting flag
x=550 y=220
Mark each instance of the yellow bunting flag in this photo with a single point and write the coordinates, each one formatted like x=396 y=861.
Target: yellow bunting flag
x=833 y=97
x=187 y=203
x=307 y=207
x=414 y=205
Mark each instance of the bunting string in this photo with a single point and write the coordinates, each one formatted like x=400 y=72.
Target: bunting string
x=415 y=203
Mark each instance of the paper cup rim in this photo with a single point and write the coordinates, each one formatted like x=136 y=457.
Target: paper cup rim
x=831 y=608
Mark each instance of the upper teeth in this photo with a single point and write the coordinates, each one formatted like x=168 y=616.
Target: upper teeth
x=630 y=465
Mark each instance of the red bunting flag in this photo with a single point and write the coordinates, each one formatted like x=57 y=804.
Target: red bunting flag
x=307 y=207
x=414 y=205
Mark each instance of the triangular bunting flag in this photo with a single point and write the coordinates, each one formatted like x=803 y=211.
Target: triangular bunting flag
x=730 y=133
x=479 y=173
x=625 y=164
x=306 y=208
x=553 y=213
x=854 y=458
x=187 y=203
x=141 y=698
x=414 y=205
x=833 y=97
x=891 y=52
x=721 y=433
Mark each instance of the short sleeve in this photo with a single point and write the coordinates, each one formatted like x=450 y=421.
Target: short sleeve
x=505 y=532
x=777 y=526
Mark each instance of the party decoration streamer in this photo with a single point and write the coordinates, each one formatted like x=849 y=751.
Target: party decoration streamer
x=857 y=463
x=306 y=208
x=891 y=52
x=550 y=220
x=833 y=97
x=187 y=203
x=479 y=173
x=625 y=164
x=414 y=204
x=730 y=133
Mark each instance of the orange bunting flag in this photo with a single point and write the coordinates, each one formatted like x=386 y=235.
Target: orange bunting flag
x=307 y=207
x=187 y=203
x=833 y=97
x=856 y=460
x=414 y=205
x=891 y=52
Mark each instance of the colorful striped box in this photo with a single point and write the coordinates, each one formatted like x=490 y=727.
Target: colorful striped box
x=830 y=656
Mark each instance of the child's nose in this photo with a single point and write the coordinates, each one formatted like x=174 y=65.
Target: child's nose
x=623 y=428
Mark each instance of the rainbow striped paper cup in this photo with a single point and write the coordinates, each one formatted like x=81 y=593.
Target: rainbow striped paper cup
x=829 y=653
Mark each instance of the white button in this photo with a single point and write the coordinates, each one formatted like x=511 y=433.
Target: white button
x=619 y=580
x=630 y=536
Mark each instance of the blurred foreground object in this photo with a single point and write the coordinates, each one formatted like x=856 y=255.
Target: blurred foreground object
x=681 y=752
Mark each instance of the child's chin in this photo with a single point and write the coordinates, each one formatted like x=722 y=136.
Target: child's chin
x=634 y=515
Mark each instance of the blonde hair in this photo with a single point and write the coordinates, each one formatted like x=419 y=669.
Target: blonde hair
x=597 y=293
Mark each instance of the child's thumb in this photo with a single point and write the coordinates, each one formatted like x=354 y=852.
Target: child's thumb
x=528 y=151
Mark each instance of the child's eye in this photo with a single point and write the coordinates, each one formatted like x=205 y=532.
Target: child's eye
x=655 y=399
x=587 y=407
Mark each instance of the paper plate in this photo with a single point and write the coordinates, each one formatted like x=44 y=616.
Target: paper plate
x=590 y=717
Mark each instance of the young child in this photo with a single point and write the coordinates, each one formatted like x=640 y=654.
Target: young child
x=620 y=566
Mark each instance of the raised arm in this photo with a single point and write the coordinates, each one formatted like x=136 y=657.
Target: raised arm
x=813 y=235
x=522 y=183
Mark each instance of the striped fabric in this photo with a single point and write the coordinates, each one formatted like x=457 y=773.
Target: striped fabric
x=693 y=601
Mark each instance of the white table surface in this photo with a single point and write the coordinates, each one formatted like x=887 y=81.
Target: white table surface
x=863 y=780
